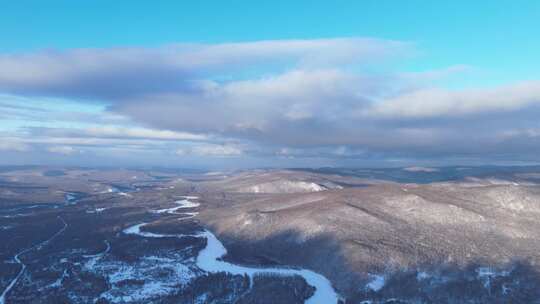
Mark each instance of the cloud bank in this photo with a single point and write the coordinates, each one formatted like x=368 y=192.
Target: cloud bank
x=331 y=98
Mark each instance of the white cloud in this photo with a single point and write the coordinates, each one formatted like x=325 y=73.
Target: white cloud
x=125 y=72
x=65 y=150
x=322 y=97
x=439 y=102
x=514 y=133
x=13 y=145
x=129 y=132
x=256 y=106
x=211 y=150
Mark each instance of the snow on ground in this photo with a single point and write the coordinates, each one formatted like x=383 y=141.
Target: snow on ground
x=160 y=276
x=24 y=208
x=16 y=215
x=70 y=198
x=189 y=197
x=422 y=275
x=94 y=258
x=486 y=274
x=97 y=210
x=284 y=186
x=113 y=189
x=209 y=260
x=58 y=282
x=377 y=282
x=182 y=204
x=17 y=260
x=136 y=230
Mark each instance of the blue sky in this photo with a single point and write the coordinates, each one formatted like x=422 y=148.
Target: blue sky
x=426 y=71
x=499 y=37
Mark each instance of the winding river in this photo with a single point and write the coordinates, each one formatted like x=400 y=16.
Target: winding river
x=210 y=258
x=23 y=266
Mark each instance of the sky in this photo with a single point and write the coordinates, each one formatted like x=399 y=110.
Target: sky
x=237 y=84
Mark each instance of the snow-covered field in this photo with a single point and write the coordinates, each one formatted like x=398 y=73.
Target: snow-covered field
x=284 y=186
x=160 y=276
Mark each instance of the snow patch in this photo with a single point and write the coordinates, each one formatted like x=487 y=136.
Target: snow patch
x=422 y=275
x=97 y=210
x=94 y=258
x=58 y=282
x=284 y=186
x=377 y=282
x=160 y=277
x=182 y=204
x=487 y=274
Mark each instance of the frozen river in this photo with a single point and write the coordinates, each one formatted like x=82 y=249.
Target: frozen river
x=210 y=260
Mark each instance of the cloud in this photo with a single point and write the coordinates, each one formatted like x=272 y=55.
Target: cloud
x=112 y=132
x=65 y=150
x=254 y=108
x=119 y=73
x=435 y=102
x=323 y=98
x=13 y=145
x=211 y=150
x=421 y=169
x=531 y=133
x=69 y=141
x=292 y=85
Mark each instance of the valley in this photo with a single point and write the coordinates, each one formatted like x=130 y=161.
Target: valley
x=268 y=236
